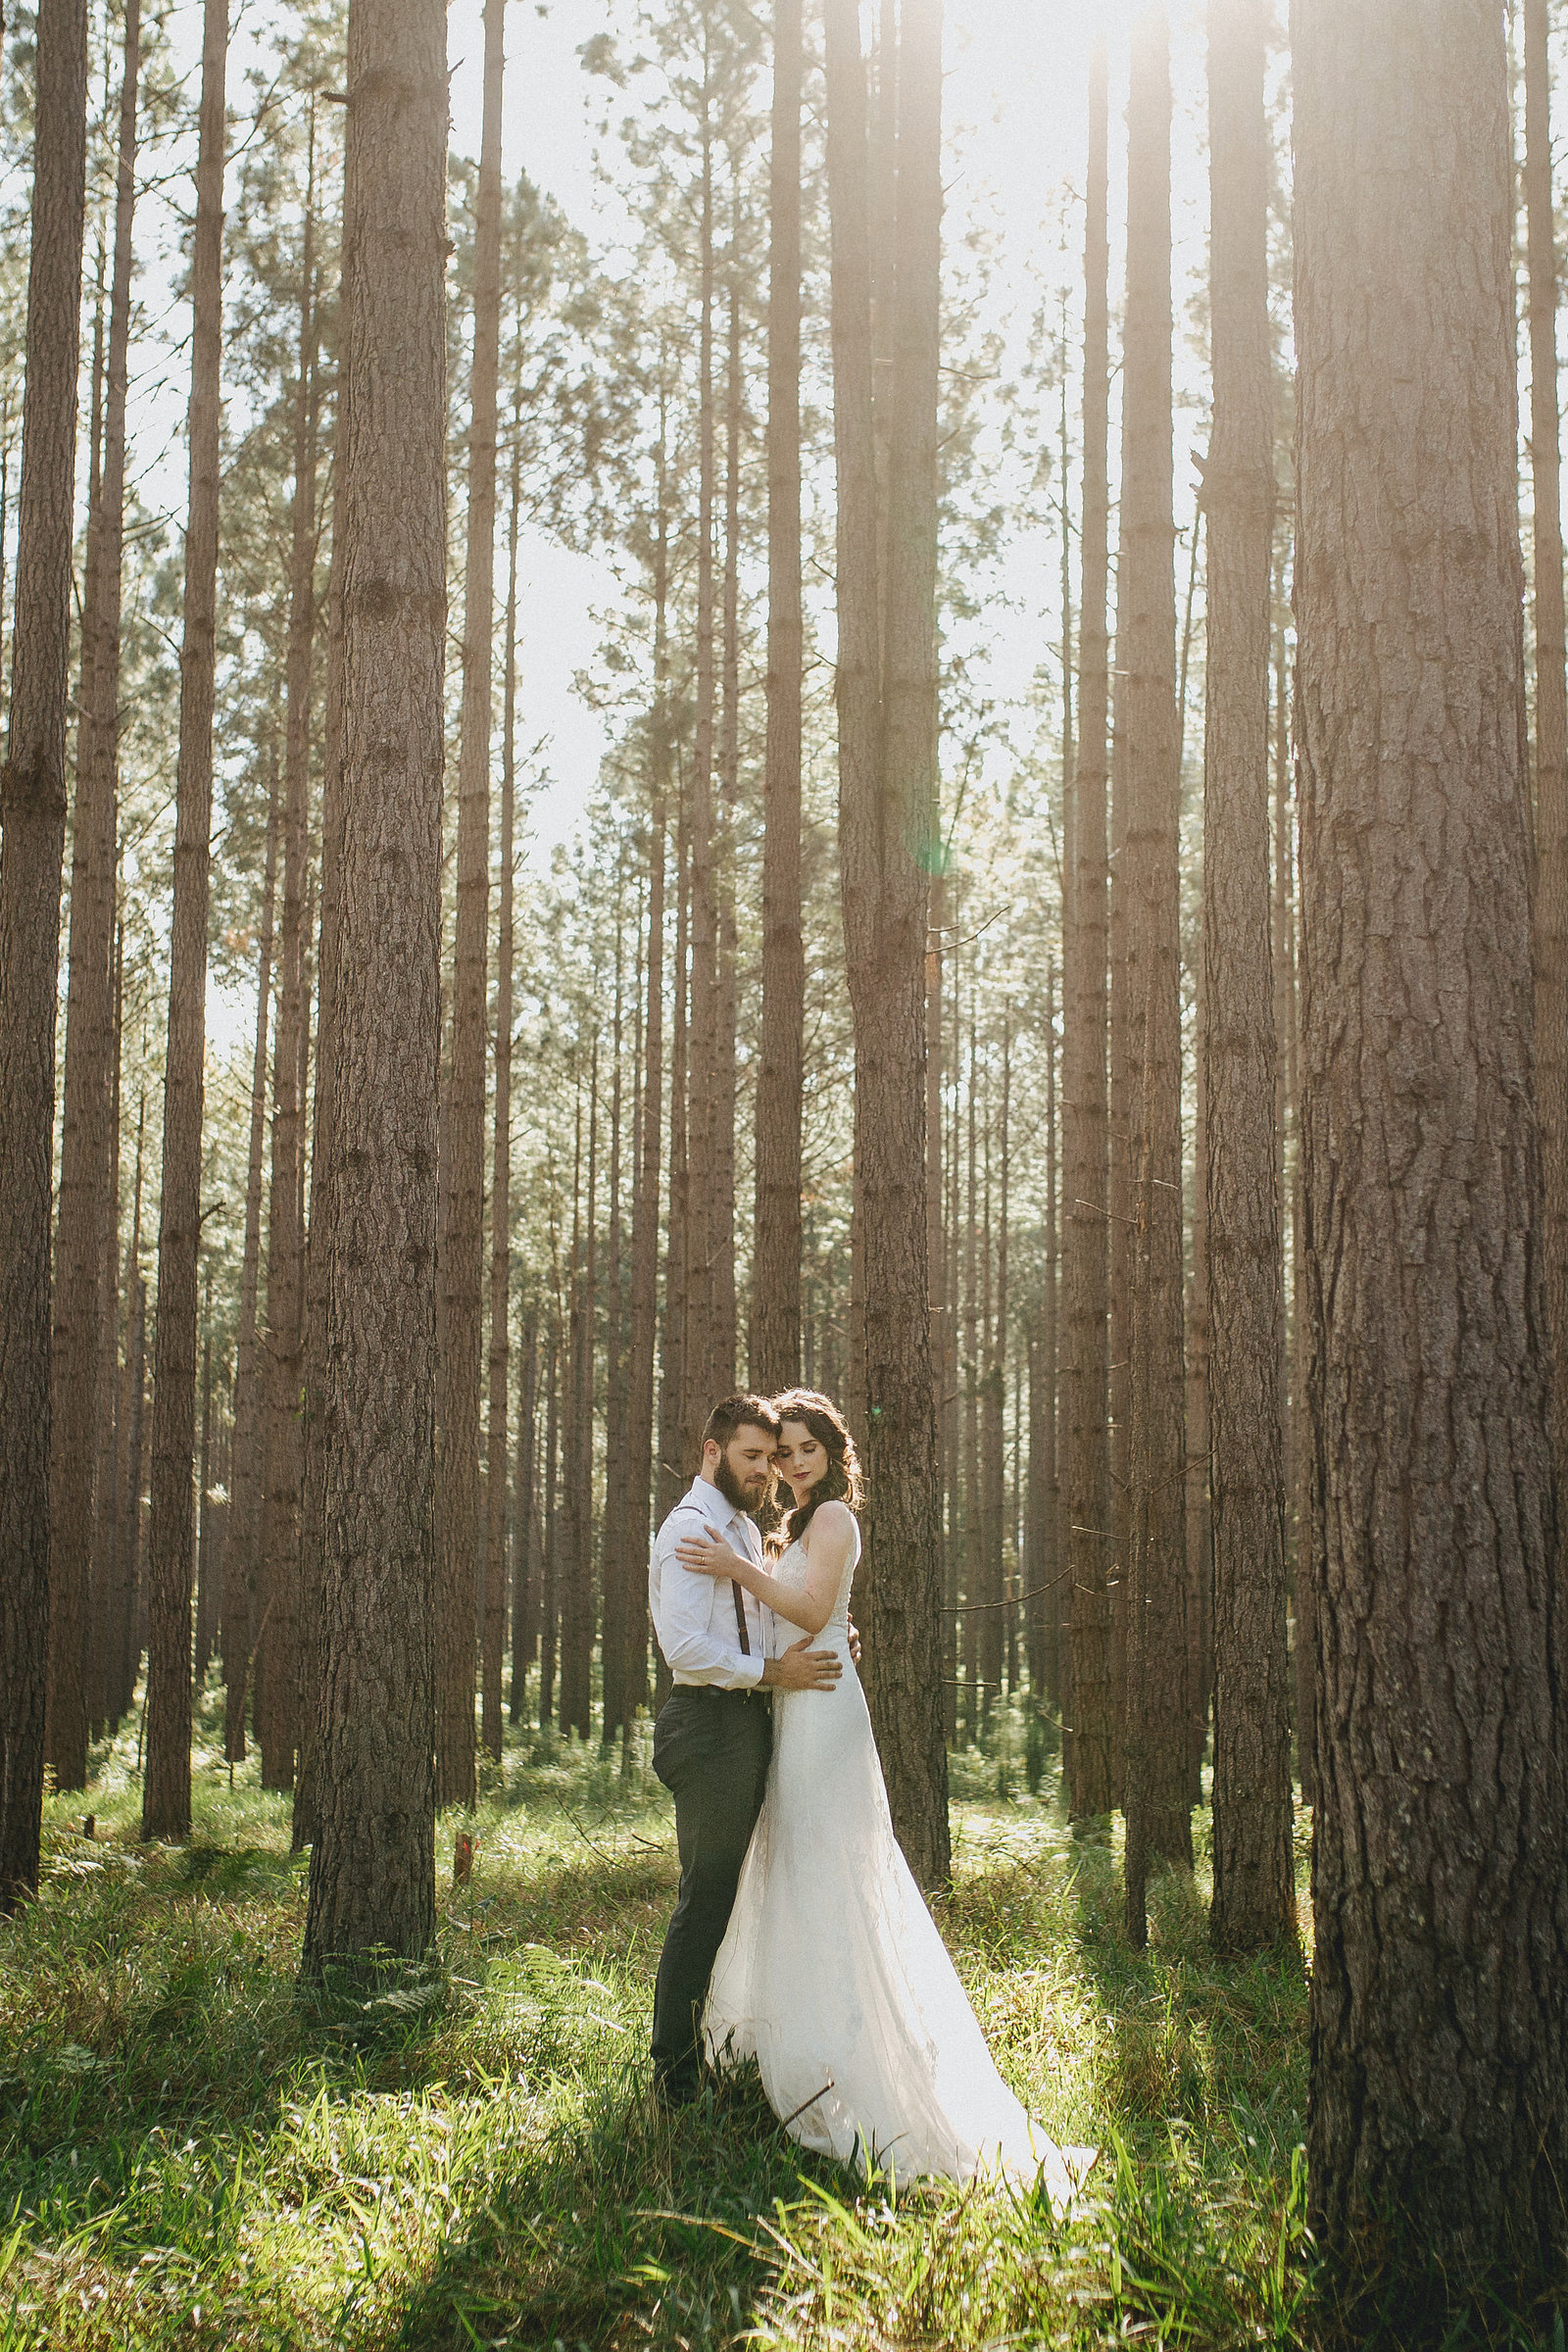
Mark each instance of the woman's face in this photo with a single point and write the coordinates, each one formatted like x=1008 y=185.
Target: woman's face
x=802 y=1458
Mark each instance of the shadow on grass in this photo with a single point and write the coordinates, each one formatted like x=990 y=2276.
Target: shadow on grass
x=630 y=2222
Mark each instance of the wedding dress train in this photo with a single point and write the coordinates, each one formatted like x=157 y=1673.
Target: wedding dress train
x=833 y=1974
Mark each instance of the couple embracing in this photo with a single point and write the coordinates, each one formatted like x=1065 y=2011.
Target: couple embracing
x=799 y=1938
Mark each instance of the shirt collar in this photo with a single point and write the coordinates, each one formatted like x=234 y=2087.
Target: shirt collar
x=716 y=1507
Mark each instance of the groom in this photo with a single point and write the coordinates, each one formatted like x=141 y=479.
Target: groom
x=714 y=1733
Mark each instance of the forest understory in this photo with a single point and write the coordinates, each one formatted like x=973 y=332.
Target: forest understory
x=190 y=2153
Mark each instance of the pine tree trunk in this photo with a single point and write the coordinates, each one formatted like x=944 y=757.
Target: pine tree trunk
x=1253 y=1873
x=105 y=1569
x=698 y=1393
x=495 y=1547
x=283 y=1347
x=973 y=1528
x=166 y=1783
x=204 y=1519
x=524 y=1588
x=578 y=1511
x=85 y=1174
x=887 y=801
x=612 y=1557
x=462 y=1233
x=373 y=1875
x=722 y=1215
x=1438 y=2100
x=775 y=1348
x=1255 y=1877
x=1090 y=1740
x=119 y=1673
x=240 y=1552
x=319 y=1251
x=673 y=1473
x=1552 y=711
x=993 y=1400
x=32 y=835
x=1045 y=1616
x=548 y=1590
x=1156 y=1730
x=642 y=1472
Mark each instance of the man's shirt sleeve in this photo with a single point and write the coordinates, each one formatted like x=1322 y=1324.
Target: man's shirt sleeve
x=686 y=1637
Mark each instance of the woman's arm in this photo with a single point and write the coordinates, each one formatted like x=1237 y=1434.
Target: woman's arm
x=827 y=1553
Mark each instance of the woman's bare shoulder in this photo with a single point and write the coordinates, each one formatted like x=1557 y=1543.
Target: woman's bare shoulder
x=831 y=1519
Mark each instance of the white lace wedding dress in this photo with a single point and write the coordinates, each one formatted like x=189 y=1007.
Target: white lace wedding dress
x=833 y=1975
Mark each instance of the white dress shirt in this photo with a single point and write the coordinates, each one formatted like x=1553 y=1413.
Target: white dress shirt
x=694 y=1615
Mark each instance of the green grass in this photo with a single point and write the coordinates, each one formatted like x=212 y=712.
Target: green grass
x=191 y=2154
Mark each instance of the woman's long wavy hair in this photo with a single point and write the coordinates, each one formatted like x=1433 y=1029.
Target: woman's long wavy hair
x=840 y=1480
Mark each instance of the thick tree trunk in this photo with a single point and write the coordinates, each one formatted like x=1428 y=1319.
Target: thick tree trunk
x=1255 y=1877
x=1552 y=711
x=84 y=1238
x=32 y=836
x=373 y=1875
x=500 y=1366
x=1090 y=1736
x=240 y=1551
x=166 y=1783
x=1438 y=2101
x=319 y=1252
x=1157 y=1730
x=283 y=1345
x=887 y=801
x=462 y=1236
x=775 y=1349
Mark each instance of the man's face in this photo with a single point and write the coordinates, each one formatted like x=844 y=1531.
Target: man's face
x=744 y=1471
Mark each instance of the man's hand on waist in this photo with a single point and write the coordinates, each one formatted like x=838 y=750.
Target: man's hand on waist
x=802 y=1668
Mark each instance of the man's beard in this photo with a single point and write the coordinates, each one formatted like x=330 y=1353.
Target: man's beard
x=739 y=1497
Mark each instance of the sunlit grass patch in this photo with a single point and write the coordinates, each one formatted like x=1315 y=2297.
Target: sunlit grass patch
x=192 y=2152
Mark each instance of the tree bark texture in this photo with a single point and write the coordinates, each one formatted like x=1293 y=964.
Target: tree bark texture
x=1552 y=711
x=462 y=1238
x=1156 y=1730
x=1090 y=1739
x=166 y=1783
x=84 y=1235
x=887 y=804
x=32 y=837
x=239 y=1553
x=500 y=1360
x=283 y=1354
x=775 y=1351
x=1439 y=2102
x=1255 y=1879
x=372 y=1876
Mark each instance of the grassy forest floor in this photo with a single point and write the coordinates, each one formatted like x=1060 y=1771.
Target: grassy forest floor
x=192 y=2155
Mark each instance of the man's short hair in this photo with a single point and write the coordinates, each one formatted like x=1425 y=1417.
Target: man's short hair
x=744 y=1411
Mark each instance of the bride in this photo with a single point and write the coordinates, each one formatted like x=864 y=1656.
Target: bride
x=832 y=1973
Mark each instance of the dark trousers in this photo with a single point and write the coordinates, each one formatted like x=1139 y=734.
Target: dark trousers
x=712 y=1750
